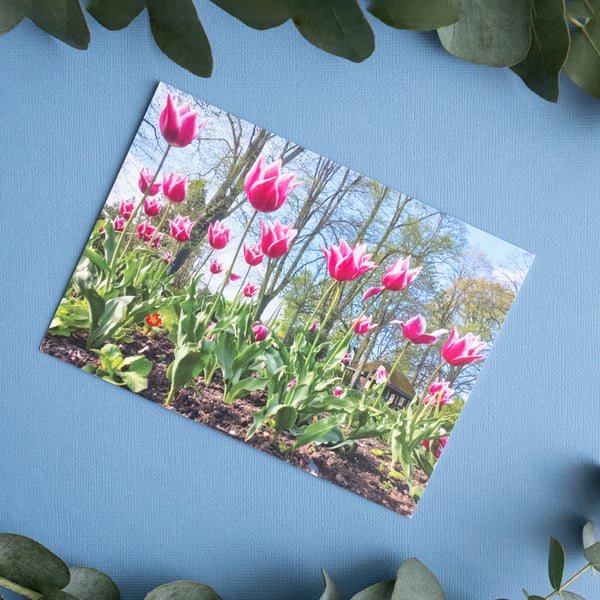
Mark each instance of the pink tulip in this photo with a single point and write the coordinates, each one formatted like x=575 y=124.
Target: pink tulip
x=399 y=276
x=461 y=351
x=260 y=331
x=118 y=224
x=144 y=183
x=180 y=228
x=363 y=325
x=145 y=231
x=215 y=267
x=437 y=447
x=338 y=391
x=218 y=235
x=313 y=327
x=373 y=291
x=250 y=290
x=175 y=187
x=156 y=240
x=266 y=188
x=211 y=326
x=276 y=239
x=167 y=258
x=234 y=277
x=291 y=383
x=126 y=208
x=152 y=206
x=253 y=255
x=440 y=393
x=179 y=126
x=346 y=359
x=381 y=374
x=345 y=263
x=414 y=331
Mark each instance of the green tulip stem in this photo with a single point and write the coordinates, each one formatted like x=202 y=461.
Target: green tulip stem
x=323 y=298
x=23 y=591
x=394 y=367
x=263 y=286
x=161 y=222
x=240 y=291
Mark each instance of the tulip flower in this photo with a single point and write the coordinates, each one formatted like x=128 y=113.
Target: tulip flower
x=250 y=290
x=167 y=258
x=399 y=276
x=266 y=188
x=338 y=391
x=126 y=208
x=218 y=235
x=215 y=267
x=156 y=240
x=153 y=320
x=437 y=447
x=234 y=277
x=345 y=263
x=118 y=224
x=363 y=325
x=461 y=351
x=260 y=331
x=179 y=126
x=291 y=383
x=175 y=187
x=211 y=326
x=414 y=331
x=381 y=374
x=313 y=327
x=276 y=239
x=373 y=291
x=180 y=228
x=253 y=255
x=440 y=393
x=346 y=359
x=144 y=183
x=145 y=231
x=152 y=207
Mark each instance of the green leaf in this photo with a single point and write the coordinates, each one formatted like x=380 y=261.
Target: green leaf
x=115 y=14
x=182 y=590
x=31 y=565
x=61 y=18
x=96 y=258
x=53 y=593
x=336 y=26
x=556 y=563
x=490 y=32
x=134 y=381
x=583 y=63
x=380 y=591
x=564 y=595
x=113 y=315
x=330 y=592
x=415 y=581
x=550 y=41
x=188 y=363
x=178 y=32
x=316 y=431
x=535 y=597
x=592 y=554
x=88 y=584
x=245 y=386
x=424 y=15
x=259 y=14
x=579 y=9
x=285 y=418
x=10 y=16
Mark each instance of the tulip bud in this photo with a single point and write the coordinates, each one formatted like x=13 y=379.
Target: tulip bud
x=260 y=331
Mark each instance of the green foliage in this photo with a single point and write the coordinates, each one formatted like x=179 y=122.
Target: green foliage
x=556 y=563
x=89 y=584
x=529 y=36
x=183 y=590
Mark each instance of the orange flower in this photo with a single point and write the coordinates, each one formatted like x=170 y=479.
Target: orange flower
x=153 y=320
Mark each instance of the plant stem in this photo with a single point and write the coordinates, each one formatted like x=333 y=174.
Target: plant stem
x=15 y=587
x=569 y=581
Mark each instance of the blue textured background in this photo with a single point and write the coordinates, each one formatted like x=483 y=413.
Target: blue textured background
x=106 y=478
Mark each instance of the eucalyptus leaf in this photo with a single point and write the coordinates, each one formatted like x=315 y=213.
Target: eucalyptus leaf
x=336 y=26
x=564 y=595
x=490 y=32
x=53 y=593
x=182 y=590
x=179 y=33
x=583 y=63
x=415 y=581
x=115 y=14
x=592 y=554
x=579 y=9
x=259 y=14
x=424 y=15
x=556 y=563
x=31 y=565
x=379 y=591
x=330 y=592
x=62 y=19
x=10 y=16
x=550 y=41
x=89 y=584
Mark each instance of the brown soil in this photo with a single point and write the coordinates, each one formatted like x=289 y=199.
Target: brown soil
x=357 y=471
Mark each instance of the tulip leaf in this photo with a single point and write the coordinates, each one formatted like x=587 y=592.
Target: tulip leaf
x=88 y=584
x=380 y=591
x=490 y=32
x=415 y=581
x=285 y=417
x=63 y=19
x=115 y=14
x=564 y=595
x=178 y=32
x=424 y=15
x=259 y=14
x=319 y=431
x=29 y=564
x=336 y=26
x=583 y=63
x=330 y=592
x=550 y=41
x=10 y=16
x=182 y=590
x=245 y=386
x=556 y=563
x=592 y=554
